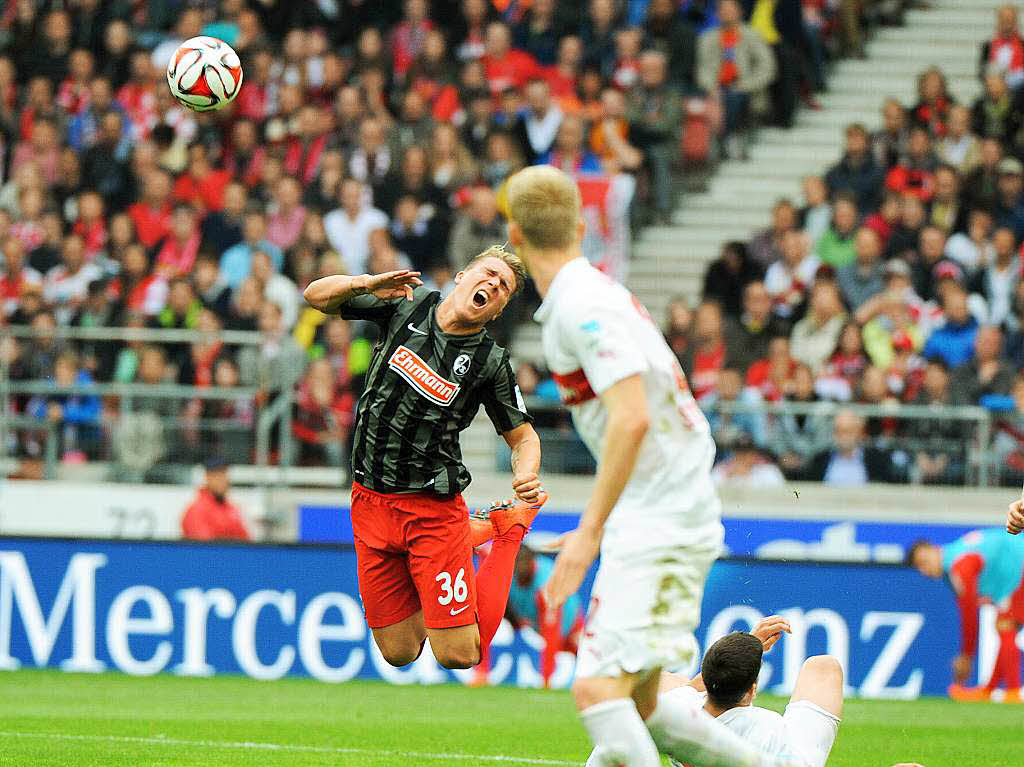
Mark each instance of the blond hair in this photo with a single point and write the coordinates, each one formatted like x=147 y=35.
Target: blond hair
x=510 y=259
x=545 y=203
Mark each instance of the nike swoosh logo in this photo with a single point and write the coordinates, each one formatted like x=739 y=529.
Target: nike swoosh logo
x=416 y=330
x=455 y=612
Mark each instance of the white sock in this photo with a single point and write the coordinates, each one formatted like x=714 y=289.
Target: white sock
x=619 y=735
x=686 y=732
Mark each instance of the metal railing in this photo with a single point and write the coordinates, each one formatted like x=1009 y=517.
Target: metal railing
x=278 y=409
x=975 y=445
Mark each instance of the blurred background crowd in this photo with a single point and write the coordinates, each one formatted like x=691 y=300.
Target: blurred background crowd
x=896 y=279
x=370 y=136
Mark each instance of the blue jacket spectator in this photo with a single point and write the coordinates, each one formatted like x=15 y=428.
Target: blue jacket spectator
x=953 y=343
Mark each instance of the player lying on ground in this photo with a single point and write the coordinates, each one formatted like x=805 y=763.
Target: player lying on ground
x=727 y=684
x=432 y=369
x=653 y=513
x=984 y=566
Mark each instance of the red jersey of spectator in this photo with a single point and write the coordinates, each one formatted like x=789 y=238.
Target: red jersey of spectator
x=706 y=367
x=510 y=71
x=139 y=102
x=212 y=517
x=915 y=181
x=407 y=42
x=302 y=158
x=151 y=225
x=1008 y=54
x=760 y=376
x=93 y=233
x=253 y=101
x=206 y=192
x=563 y=86
x=177 y=258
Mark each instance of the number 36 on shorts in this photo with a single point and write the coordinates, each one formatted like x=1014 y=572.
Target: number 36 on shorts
x=457 y=590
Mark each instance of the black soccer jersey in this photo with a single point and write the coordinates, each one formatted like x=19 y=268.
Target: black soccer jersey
x=423 y=387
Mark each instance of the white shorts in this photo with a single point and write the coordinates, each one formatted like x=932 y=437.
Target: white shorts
x=811 y=731
x=645 y=604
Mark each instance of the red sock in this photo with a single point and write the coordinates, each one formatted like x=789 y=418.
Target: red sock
x=1009 y=657
x=1007 y=667
x=493 y=581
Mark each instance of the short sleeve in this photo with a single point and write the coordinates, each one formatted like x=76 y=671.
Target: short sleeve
x=368 y=307
x=504 y=402
x=607 y=351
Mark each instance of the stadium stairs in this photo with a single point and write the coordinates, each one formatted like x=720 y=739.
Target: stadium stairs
x=671 y=260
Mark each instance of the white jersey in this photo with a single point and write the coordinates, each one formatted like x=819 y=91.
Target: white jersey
x=803 y=735
x=595 y=333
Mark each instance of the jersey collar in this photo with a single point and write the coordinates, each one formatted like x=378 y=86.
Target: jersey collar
x=559 y=285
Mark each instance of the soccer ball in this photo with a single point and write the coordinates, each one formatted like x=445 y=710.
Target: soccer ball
x=204 y=74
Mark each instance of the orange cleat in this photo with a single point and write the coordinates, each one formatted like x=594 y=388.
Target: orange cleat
x=968 y=694
x=510 y=513
x=1013 y=696
x=481 y=529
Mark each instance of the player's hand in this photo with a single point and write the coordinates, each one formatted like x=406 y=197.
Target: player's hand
x=391 y=284
x=961 y=668
x=527 y=487
x=1015 y=518
x=769 y=630
x=578 y=550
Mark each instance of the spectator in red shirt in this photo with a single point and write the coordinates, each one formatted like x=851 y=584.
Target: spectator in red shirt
x=408 y=37
x=180 y=247
x=211 y=516
x=1006 y=48
x=152 y=215
x=91 y=225
x=915 y=173
x=504 y=66
x=323 y=416
x=772 y=375
x=932 y=109
x=202 y=185
x=705 y=357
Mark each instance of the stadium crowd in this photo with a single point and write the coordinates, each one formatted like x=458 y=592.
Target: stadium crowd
x=366 y=136
x=896 y=279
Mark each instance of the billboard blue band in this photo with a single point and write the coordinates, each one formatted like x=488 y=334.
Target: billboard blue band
x=270 y=611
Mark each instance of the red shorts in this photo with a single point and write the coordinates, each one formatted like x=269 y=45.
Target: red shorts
x=414 y=553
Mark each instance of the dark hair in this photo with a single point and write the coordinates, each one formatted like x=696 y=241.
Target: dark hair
x=915 y=547
x=730 y=668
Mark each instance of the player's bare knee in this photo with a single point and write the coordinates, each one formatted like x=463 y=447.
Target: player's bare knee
x=823 y=664
x=825 y=667
x=399 y=654
x=458 y=657
x=399 y=651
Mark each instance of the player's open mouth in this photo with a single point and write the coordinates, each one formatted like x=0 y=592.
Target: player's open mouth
x=480 y=299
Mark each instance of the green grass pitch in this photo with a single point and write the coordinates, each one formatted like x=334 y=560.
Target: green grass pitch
x=49 y=718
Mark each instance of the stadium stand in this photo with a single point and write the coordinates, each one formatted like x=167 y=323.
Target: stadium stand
x=153 y=258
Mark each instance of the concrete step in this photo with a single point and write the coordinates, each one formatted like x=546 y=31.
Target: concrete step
x=713 y=218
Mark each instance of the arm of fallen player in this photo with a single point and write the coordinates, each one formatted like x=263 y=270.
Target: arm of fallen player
x=628 y=421
x=769 y=630
x=329 y=293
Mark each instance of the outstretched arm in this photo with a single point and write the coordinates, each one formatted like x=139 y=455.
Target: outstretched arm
x=329 y=293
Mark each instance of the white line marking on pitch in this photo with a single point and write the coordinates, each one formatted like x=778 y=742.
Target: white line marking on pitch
x=160 y=741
